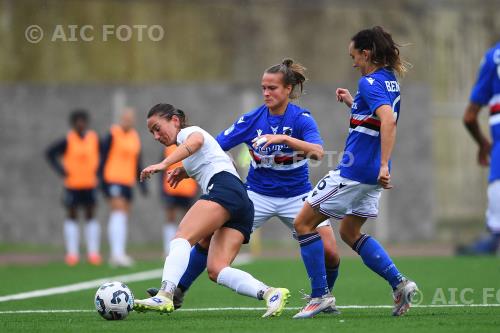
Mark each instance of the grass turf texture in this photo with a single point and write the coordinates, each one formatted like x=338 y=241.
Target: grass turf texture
x=356 y=286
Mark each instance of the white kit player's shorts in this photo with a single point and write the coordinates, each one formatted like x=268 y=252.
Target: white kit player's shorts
x=336 y=197
x=493 y=211
x=286 y=209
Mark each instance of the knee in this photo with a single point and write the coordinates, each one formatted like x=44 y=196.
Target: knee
x=213 y=272
x=301 y=227
x=71 y=213
x=348 y=235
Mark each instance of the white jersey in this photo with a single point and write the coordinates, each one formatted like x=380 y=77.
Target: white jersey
x=209 y=160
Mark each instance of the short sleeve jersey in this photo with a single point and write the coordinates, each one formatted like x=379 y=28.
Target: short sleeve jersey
x=362 y=153
x=209 y=160
x=486 y=91
x=278 y=170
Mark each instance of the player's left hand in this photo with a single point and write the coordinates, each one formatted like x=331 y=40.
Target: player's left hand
x=175 y=176
x=152 y=169
x=384 y=177
x=268 y=139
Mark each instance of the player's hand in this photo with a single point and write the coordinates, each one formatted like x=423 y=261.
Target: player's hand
x=384 y=177
x=344 y=96
x=483 y=156
x=175 y=176
x=263 y=141
x=152 y=169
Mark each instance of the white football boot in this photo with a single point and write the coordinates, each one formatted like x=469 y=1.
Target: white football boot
x=403 y=297
x=315 y=306
x=276 y=299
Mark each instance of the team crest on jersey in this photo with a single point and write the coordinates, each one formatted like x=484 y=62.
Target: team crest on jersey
x=370 y=80
x=287 y=130
x=274 y=129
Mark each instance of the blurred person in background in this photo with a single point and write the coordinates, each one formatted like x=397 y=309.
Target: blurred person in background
x=352 y=191
x=486 y=91
x=177 y=200
x=76 y=159
x=281 y=137
x=120 y=168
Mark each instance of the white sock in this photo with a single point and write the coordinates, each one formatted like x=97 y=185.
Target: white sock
x=241 y=282
x=177 y=261
x=169 y=231
x=93 y=236
x=71 y=237
x=117 y=233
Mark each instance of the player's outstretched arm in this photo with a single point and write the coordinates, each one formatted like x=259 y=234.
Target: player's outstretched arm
x=192 y=144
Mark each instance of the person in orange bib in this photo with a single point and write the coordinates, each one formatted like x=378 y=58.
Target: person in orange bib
x=178 y=199
x=76 y=159
x=119 y=170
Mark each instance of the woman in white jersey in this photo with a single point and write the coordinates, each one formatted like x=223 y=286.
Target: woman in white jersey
x=223 y=210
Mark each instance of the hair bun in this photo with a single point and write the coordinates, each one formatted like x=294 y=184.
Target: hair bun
x=287 y=62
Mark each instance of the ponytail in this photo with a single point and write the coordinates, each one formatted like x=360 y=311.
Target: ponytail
x=384 y=51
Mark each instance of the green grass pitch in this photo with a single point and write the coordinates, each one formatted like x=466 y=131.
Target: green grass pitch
x=443 y=281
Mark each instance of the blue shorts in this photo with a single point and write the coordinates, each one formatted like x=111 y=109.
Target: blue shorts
x=112 y=190
x=75 y=198
x=227 y=190
x=177 y=201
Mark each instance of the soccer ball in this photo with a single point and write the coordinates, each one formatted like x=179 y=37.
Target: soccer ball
x=114 y=300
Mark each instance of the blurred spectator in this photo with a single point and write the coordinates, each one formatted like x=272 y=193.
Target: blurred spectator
x=486 y=91
x=177 y=200
x=76 y=159
x=120 y=167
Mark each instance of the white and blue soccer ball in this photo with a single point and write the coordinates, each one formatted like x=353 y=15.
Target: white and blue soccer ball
x=114 y=300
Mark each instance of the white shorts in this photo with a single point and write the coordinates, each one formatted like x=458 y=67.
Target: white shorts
x=286 y=209
x=493 y=211
x=336 y=197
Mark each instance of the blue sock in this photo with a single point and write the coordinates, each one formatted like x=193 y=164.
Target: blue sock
x=313 y=255
x=196 y=266
x=375 y=257
x=331 y=276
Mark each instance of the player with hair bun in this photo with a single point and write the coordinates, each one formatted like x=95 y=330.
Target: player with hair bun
x=281 y=137
x=351 y=192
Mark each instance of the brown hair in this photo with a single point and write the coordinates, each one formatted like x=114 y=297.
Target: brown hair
x=384 y=51
x=167 y=111
x=293 y=74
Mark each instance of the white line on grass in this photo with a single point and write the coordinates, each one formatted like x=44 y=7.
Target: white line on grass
x=262 y=309
x=140 y=276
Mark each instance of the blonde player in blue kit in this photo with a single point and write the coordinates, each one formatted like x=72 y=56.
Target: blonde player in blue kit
x=224 y=212
x=351 y=192
x=281 y=137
